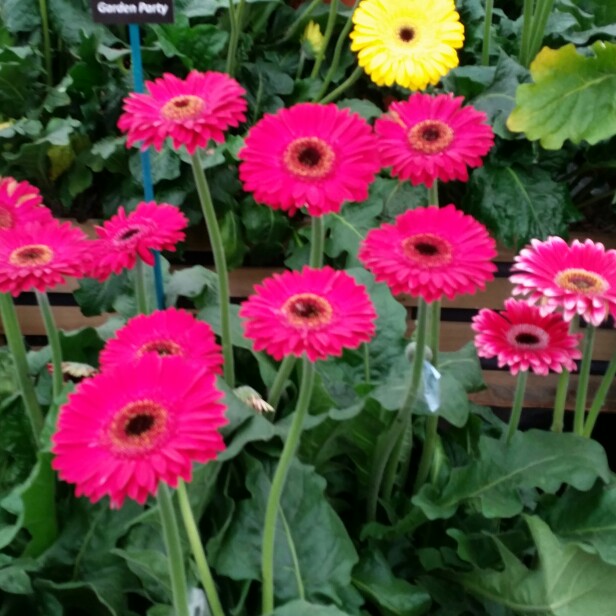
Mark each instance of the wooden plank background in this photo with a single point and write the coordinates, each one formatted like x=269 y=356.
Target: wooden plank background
x=455 y=330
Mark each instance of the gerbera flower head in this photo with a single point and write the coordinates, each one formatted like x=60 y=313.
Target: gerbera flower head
x=433 y=137
x=524 y=339
x=318 y=312
x=309 y=155
x=130 y=427
x=125 y=237
x=408 y=42
x=430 y=252
x=579 y=279
x=20 y=204
x=166 y=333
x=40 y=256
x=190 y=111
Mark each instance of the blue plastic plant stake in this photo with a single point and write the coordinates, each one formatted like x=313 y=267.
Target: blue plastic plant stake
x=148 y=184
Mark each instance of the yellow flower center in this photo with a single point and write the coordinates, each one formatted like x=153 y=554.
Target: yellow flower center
x=581 y=281
x=32 y=255
x=428 y=250
x=183 y=107
x=309 y=158
x=430 y=136
x=308 y=310
x=160 y=347
x=138 y=427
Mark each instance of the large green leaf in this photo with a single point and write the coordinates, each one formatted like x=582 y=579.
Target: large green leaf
x=519 y=203
x=534 y=459
x=572 y=97
x=303 y=608
x=314 y=555
x=568 y=581
x=588 y=518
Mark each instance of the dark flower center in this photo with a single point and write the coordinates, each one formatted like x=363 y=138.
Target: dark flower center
x=430 y=136
x=307 y=310
x=309 y=158
x=139 y=424
x=31 y=255
x=183 y=107
x=527 y=338
x=161 y=347
x=406 y=34
x=427 y=250
x=127 y=234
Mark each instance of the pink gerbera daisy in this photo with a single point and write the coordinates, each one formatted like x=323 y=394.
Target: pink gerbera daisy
x=126 y=237
x=318 y=312
x=126 y=429
x=20 y=204
x=580 y=279
x=433 y=137
x=40 y=256
x=190 y=111
x=310 y=155
x=165 y=332
x=522 y=339
x=430 y=252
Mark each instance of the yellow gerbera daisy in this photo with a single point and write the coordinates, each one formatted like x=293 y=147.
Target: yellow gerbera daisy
x=409 y=42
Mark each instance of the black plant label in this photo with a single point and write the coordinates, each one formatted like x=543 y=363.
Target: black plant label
x=132 y=11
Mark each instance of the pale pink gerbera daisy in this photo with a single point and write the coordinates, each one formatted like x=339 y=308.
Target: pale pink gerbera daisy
x=40 y=256
x=522 y=339
x=318 y=312
x=20 y=204
x=433 y=137
x=164 y=333
x=190 y=111
x=126 y=429
x=430 y=252
x=310 y=155
x=580 y=279
x=126 y=237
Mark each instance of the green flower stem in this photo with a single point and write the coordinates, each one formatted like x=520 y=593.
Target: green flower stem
x=527 y=24
x=299 y=22
x=53 y=339
x=558 y=419
x=17 y=348
x=335 y=63
x=600 y=396
x=198 y=552
x=236 y=20
x=400 y=423
x=329 y=29
x=584 y=375
x=366 y=363
x=518 y=403
x=431 y=430
x=220 y=262
x=540 y=21
x=300 y=65
x=317 y=242
x=46 y=41
x=141 y=296
x=282 y=376
x=273 y=501
x=344 y=86
x=174 y=551
x=487 y=28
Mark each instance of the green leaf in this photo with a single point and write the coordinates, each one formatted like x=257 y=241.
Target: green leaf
x=363 y=107
x=233 y=242
x=572 y=97
x=152 y=568
x=72 y=22
x=534 y=459
x=303 y=608
x=20 y=15
x=464 y=365
x=165 y=166
x=194 y=282
x=15 y=580
x=519 y=203
x=96 y=297
x=395 y=596
x=567 y=582
x=588 y=518
x=313 y=553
